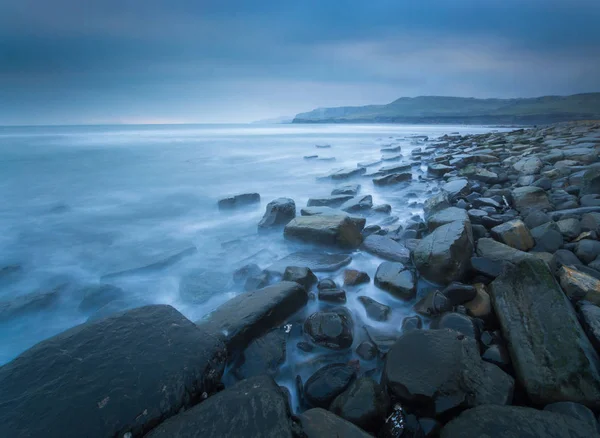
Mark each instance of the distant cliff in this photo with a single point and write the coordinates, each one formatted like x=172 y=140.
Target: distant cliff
x=439 y=109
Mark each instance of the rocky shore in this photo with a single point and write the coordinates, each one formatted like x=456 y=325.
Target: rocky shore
x=501 y=274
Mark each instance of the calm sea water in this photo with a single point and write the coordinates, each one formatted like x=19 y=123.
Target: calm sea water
x=82 y=202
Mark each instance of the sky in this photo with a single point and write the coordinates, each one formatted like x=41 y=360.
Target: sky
x=222 y=61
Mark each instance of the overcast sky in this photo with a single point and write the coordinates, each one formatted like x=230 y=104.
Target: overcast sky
x=126 y=61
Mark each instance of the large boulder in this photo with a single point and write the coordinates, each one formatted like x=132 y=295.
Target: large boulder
x=252 y=407
x=435 y=203
x=118 y=375
x=327 y=383
x=252 y=314
x=278 y=213
x=440 y=372
x=443 y=256
x=532 y=309
x=515 y=421
x=515 y=234
x=365 y=403
x=386 y=248
x=530 y=198
x=332 y=230
x=235 y=201
x=319 y=423
x=396 y=279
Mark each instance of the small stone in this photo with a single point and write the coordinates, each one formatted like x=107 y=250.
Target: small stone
x=457 y=322
x=331 y=329
x=301 y=275
x=333 y=295
x=434 y=303
x=367 y=350
x=480 y=306
x=375 y=310
x=459 y=293
x=352 y=277
x=412 y=323
x=327 y=383
x=326 y=283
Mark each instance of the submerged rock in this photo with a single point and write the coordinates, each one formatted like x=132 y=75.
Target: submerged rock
x=325 y=230
x=315 y=261
x=393 y=178
x=352 y=277
x=235 y=201
x=278 y=213
x=346 y=189
x=199 y=287
x=163 y=261
x=330 y=201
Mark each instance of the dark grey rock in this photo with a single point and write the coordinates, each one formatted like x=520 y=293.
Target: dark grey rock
x=446 y=216
x=162 y=261
x=375 y=310
x=590 y=320
x=547 y=237
x=411 y=323
x=514 y=421
x=364 y=403
x=242 y=274
x=31 y=302
x=530 y=306
x=330 y=329
x=338 y=231
x=252 y=407
x=563 y=257
x=371 y=229
x=367 y=350
x=346 y=189
x=301 y=275
x=346 y=173
x=575 y=410
x=587 y=250
x=386 y=248
x=315 y=261
x=396 y=279
x=459 y=293
x=590 y=222
x=357 y=204
x=457 y=188
x=536 y=218
x=527 y=199
x=263 y=355
x=327 y=383
x=352 y=277
x=278 y=213
x=498 y=355
x=393 y=178
x=251 y=314
x=326 y=283
x=382 y=208
x=487 y=267
x=569 y=228
x=332 y=295
x=436 y=203
x=235 y=201
x=329 y=201
x=430 y=427
x=257 y=281
x=499 y=252
x=319 y=423
x=591 y=182
x=441 y=371
x=111 y=375
x=433 y=303
x=457 y=322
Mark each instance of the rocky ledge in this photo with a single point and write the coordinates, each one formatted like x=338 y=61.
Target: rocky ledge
x=503 y=267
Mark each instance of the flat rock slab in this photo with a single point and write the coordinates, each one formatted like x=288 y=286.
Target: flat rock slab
x=446 y=216
x=162 y=261
x=252 y=314
x=442 y=371
x=121 y=374
x=530 y=198
x=499 y=252
x=386 y=248
x=319 y=423
x=328 y=201
x=255 y=407
x=515 y=421
x=315 y=261
x=331 y=230
x=532 y=310
x=235 y=201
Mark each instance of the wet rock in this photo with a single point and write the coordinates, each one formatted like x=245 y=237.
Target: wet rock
x=371 y=229
x=530 y=198
x=346 y=189
x=477 y=216
x=393 y=178
x=486 y=203
x=315 y=261
x=318 y=423
x=412 y=323
x=590 y=222
x=235 y=201
x=382 y=208
x=306 y=347
x=590 y=320
x=263 y=355
x=591 y=182
x=536 y=218
x=162 y=261
x=251 y=314
x=364 y=403
x=563 y=257
x=531 y=306
x=386 y=248
x=325 y=230
x=242 y=274
x=332 y=295
x=396 y=279
x=346 y=173
x=443 y=256
x=326 y=283
x=515 y=234
x=547 y=237
x=486 y=266
x=575 y=410
x=98 y=295
x=329 y=201
x=257 y=281
x=352 y=277
x=357 y=204
x=301 y=275
x=367 y=350
x=587 y=250
x=441 y=372
x=481 y=305
x=278 y=213
x=528 y=166
x=375 y=310
x=384 y=338
x=327 y=383
x=31 y=302
x=457 y=322
x=252 y=407
x=457 y=188
x=198 y=287
x=579 y=286
x=330 y=329
x=328 y=211
x=446 y=216
x=499 y=252
x=437 y=169
x=433 y=303
x=569 y=228
x=459 y=293
x=93 y=367
x=514 y=421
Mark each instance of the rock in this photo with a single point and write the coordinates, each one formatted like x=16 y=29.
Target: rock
x=318 y=423
x=446 y=216
x=330 y=201
x=367 y=350
x=397 y=425
x=590 y=320
x=563 y=257
x=591 y=182
x=110 y=309
x=569 y=228
x=412 y=323
x=435 y=203
x=393 y=178
x=346 y=189
x=438 y=170
x=197 y=287
x=430 y=427
x=257 y=281
x=252 y=314
x=163 y=261
x=332 y=295
x=575 y=410
x=252 y=407
x=458 y=293
x=514 y=421
x=346 y=173
x=327 y=383
x=358 y=203
x=242 y=274
x=514 y=234
x=485 y=266
x=263 y=355
x=301 y=275
x=375 y=310
x=443 y=256
x=278 y=213
x=328 y=211
x=326 y=283
x=330 y=329
x=111 y=375
x=530 y=198
x=31 y=302
x=440 y=371
x=481 y=305
x=590 y=222
x=352 y=277
x=587 y=201
x=325 y=230
x=396 y=279
x=531 y=307
x=478 y=216
x=579 y=286
x=536 y=218
x=547 y=237
x=457 y=322
x=235 y=201
x=98 y=295
x=433 y=303
x=499 y=252
x=457 y=188
x=498 y=355
x=364 y=403
x=382 y=208
x=386 y=248
x=315 y=261
x=587 y=250
x=528 y=166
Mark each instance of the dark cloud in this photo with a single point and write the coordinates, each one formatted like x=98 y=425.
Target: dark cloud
x=106 y=60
